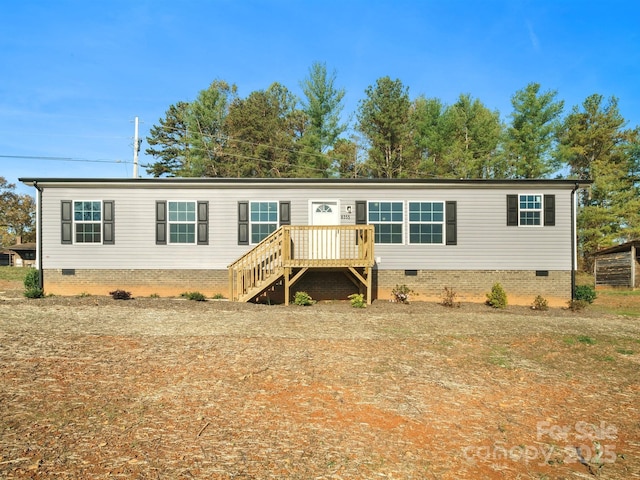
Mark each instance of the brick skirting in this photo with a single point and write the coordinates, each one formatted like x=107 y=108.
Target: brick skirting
x=521 y=286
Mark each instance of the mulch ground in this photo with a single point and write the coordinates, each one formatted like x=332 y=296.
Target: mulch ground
x=91 y=387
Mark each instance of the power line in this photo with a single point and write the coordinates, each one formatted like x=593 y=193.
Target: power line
x=62 y=159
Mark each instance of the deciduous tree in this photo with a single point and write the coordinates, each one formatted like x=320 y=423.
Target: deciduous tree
x=17 y=215
x=262 y=131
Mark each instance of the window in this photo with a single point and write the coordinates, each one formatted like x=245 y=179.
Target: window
x=386 y=217
x=182 y=222
x=87 y=222
x=531 y=210
x=185 y=222
x=87 y=219
x=263 y=219
x=530 y=207
x=426 y=222
x=324 y=208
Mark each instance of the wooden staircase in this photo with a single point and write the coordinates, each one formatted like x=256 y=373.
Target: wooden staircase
x=289 y=252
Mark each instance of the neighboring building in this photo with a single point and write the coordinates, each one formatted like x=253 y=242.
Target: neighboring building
x=19 y=255
x=168 y=236
x=618 y=266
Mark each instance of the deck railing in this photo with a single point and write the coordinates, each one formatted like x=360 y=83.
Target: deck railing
x=292 y=246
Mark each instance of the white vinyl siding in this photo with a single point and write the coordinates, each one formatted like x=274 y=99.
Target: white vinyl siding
x=484 y=241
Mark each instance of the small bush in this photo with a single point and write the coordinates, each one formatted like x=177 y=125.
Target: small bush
x=498 y=297
x=34 y=293
x=540 y=303
x=585 y=292
x=120 y=295
x=218 y=296
x=32 y=285
x=401 y=293
x=357 y=300
x=578 y=305
x=195 y=296
x=303 y=299
x=154 y=295
x=449 y=297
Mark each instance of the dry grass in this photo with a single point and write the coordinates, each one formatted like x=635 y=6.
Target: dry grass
x=158 y=388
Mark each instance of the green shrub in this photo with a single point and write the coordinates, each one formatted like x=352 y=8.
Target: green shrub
x=357 y=300
x=120 y=295
x=32 y=285
x=449 y=297
x=218 y=296
x=401 y=293
x=195 y=296
x=577 y=305
x=585 y=292
x=540 y=303
x=498 y=297
x=303 y=299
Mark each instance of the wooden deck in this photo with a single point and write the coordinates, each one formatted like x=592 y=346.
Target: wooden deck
x=289 y=252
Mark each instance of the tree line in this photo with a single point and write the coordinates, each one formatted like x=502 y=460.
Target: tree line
x=272 y=133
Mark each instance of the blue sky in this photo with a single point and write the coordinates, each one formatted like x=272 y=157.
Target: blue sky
x=75 y=74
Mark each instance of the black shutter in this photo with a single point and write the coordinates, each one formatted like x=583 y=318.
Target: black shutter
x=512 y=210
x=285 y=213
x=161 y=222
x=451 y=219
x=549 y=210
x=361 y=212
x=66 y=217
x=243 y=223
x=108 y=212
x=203 y=223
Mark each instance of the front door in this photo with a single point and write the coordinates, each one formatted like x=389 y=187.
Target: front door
x=324 y=243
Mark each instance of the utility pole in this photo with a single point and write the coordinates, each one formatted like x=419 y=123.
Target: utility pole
x=136 y=149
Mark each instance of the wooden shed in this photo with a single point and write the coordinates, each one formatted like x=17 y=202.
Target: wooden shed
x=618 y=266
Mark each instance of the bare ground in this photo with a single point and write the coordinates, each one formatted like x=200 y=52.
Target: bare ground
x=92 y=387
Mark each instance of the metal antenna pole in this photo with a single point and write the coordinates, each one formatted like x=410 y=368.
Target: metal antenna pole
x=136 y=149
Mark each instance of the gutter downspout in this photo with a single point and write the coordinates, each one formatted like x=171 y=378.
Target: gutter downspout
x=574 y=240
x=39 y=234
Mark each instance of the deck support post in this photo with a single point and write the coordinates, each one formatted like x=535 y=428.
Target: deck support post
x=287 y=285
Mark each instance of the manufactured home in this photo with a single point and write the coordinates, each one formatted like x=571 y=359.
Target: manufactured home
x=250 y=239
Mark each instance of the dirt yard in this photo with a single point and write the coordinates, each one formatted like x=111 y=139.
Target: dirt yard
x=92 y=387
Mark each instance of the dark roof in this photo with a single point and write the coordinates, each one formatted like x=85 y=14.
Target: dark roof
x=21 y=247
x=35 y=181
x=623 y=247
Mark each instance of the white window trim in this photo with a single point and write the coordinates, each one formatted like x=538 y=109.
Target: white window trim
x=443 y=223
x=402 y=223
x=540 y=210
x=251 y=223
x=76 y=222
x=169 y=223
